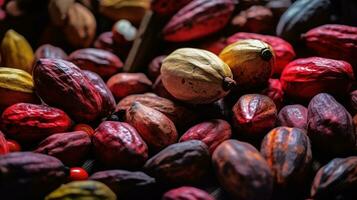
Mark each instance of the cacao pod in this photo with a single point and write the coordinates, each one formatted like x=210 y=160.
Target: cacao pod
x=33 y=173
x=16 y=86
x=159 y=89
x=198 y=19
x=242 y=171
x=304 y=78
x=126 y=184
x=284 y=52
x=294 y=116
x=157 y=130
x=78 y=190
x=301 y=16
x=58 y=9
x=118 y=144
x=275 y=92
x=251 y=62
x=16 y=52
x=29 y=122
x=71 y=148
x=155 y=66
x=186 y=193
x=4 y=149
x=333 y=41
x=353 y=101
x=62 y=84
x=99 y=61
x=182 y=163
x=105 y=41
x=196 y=76
x=330 y=126
x=124 y=84
x=212 y=133
x=49 y=51
x=168 y=7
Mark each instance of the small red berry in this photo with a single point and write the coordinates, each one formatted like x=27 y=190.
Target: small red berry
x=84 y=127
x=78 y=174
x=13 y=146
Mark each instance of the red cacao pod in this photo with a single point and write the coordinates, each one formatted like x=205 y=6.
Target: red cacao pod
x=99 y=61
x=105 y=41
x=187 y=193
x=254 y=115
x=157 y=130
x=4 y=149
x=168 y=7
x=333 y=41
x=212 y=133
x=118 y=144
x=49 y=51
x=155 y=66
x=330 y=126
x=62 y=84
x=293 y=116
x=197 y=19
x=179 y=164
x=29 y=122
x=124 y=84
x=275 y=92
x=238 y=162
x=284 y=52
x=71 y=148
x=288 y=154
x=303 y=78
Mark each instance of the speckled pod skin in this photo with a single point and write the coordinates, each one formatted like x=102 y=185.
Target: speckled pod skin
x=293 y=116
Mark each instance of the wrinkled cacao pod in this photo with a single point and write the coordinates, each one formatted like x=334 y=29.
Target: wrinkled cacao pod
x=58 y=9
x=253 y=116
x=16 y=86
x=333 y=41
x=78 y=190
x=105 y=41
x=182 y=163
x=275 y=92
x=336 y=180
x=49 y=51
x=330 y=126
x=118 y=144
x=288 y=154
x=304 y=78
x=187 y=193
x=16 y=52
x=198 y=19
x=124 y=84
x=294 y=116
x=159 y=89
x=71 y=148
x=284 y=52
x=212 y=133
x=157 y=130
x=238 y=162
x=251 y=62
x=62 y=84
x=29 y=122
x=155 y=66
x=168 y=7
x=4 y=149
x=27 y=175
x=99 y=61
x=196 y=76
x=301 y=16
x=126 y=184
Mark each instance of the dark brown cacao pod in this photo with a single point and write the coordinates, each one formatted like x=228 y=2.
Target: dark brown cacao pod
x=49 y=51
x=117 y=144
x=187 y=193
x=71 y=148
x=330 y=126
x=293 y=116
x=27 y=175
x=182 y=163
x=242 y=171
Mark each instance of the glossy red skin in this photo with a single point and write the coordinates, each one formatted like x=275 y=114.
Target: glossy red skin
x=187 y=193
x=304 y=78
x=78 y=174
x=124 y=84
x=284 y=52
x=333 y=41
x=4 y=147
x=198 y=19
x=293 y=116
x=118 y=144
x=105 y=41
x=155 y=66
x=99 y=61
x=29 y=122
x=212 y=133
x=275 y=92
x=168 y=7
x=84 y=127
x=13 y=146
x=49 y=51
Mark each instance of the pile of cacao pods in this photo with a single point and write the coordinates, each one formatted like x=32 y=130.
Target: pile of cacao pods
x=241 y=100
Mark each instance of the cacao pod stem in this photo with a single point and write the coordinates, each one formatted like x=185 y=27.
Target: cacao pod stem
x=228 y=83
x=266 y=54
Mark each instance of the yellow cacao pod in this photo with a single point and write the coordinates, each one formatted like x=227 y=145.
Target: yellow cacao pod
x=132 y=10
x=196 y=76
x=16 y=52
x=16 y=86
x=82 y=190
x=251 y=62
